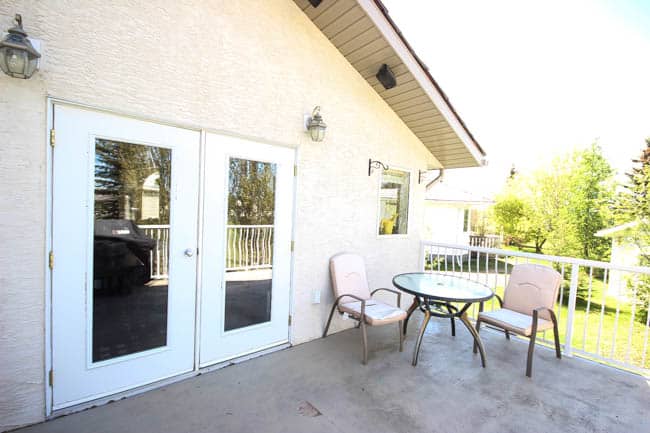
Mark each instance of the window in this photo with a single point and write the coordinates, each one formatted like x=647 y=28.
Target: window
x=466 y=220
x=394 y=202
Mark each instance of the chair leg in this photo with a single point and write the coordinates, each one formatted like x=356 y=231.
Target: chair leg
x=478 y=329
x=401 y=336
x=412 y=308
x=329 y=320
x=531 y=349
x=507 y=335
x=556 y=337
x=364 y=338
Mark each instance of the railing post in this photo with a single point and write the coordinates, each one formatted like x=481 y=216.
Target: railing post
x=573 y=293
x=423 y=263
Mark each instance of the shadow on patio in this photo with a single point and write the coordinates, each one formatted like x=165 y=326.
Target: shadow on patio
x=321 y=386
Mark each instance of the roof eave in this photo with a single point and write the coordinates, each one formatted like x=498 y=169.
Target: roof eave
x=378 y=13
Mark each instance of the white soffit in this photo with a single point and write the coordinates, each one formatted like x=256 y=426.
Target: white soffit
x=364 y=33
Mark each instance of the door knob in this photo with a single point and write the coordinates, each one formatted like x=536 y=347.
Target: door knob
x=189 y=252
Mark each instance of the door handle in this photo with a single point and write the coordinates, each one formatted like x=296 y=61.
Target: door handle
x=189 y=252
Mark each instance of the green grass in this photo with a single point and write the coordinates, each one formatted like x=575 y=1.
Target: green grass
x=592 y=306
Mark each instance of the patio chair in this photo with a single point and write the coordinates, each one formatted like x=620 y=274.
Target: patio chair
x=354 y=298
x=526 y=307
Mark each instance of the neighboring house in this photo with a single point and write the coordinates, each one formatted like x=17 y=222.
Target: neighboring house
x=449 y=212
x=164 y=210
x=625 y=252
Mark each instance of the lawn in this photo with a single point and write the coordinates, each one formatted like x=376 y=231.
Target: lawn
x=621 y=338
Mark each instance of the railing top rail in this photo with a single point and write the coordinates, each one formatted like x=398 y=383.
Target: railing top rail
x=559 y=259
x=237 y=226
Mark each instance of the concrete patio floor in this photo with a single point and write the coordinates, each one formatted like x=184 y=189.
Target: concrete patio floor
x=321 y=386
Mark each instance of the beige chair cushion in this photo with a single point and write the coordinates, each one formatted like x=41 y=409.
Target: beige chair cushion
x=377 y=313
x=532 y=286
x=348 y=273
x=513 y=321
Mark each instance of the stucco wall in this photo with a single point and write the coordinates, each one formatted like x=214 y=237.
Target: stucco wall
x=247 y=67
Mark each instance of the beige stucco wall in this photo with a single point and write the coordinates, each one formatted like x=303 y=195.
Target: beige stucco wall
x=247 y=67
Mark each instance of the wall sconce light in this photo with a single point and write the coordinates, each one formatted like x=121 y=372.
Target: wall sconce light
x=18 y=57
x=315 y=125
x=386 y=77
x=373 y=165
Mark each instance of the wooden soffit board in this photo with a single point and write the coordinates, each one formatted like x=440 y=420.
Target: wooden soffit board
x=365 y=34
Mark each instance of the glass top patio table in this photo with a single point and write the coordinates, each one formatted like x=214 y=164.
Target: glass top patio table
x=434 y=294
x=439 y=287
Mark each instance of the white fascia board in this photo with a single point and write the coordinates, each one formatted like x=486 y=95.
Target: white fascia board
x=394 y=40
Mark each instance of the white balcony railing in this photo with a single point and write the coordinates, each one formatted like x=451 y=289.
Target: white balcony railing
x=247 y=247
x=159 y=256
x=485 y=241
x=601 y=312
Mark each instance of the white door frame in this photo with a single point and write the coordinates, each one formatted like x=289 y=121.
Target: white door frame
x=51 y=103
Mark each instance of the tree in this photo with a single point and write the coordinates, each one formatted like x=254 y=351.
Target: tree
x=120 y=173
x=509 y=213
x=559 y=208
x=251 y=192
x=633 y=205
x=592 y=190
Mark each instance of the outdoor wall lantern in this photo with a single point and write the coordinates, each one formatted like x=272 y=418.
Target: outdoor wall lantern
x=18 y=57
x=373 y=165
x=316 y=126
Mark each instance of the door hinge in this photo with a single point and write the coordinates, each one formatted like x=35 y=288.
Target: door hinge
x=289 y=319
x=293 y=244
x=295 y=170
x=51 y=260
x=50 y=377
x=52 y=137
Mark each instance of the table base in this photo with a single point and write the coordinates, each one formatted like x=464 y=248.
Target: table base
x=452 y=313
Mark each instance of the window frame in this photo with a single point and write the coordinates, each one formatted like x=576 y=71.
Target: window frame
x=467 y=220
x=409 y=207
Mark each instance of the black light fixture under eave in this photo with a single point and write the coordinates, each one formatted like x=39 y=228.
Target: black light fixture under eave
x=315 y=3
x=386 y=77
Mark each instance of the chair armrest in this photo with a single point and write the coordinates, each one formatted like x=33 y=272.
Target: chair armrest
x=363 y=302
x=551 y=313
x=499 y=299
x=399 y=294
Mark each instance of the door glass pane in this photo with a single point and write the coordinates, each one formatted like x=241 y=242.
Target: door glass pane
x=249 y=246
x=131 y=248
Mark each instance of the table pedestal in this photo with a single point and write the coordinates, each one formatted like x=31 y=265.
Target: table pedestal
x=434 y=308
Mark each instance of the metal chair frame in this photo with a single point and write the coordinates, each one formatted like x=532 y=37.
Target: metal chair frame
x=362 y=319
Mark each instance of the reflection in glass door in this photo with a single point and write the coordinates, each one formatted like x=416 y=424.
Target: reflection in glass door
x=249 y=243
x=245 y=280
x=132 y=183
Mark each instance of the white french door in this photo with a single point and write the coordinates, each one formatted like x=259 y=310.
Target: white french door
x=246 y=250
x=124 y=236
x=125 y=213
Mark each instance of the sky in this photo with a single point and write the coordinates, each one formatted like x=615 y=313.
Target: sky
x=533 y=80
